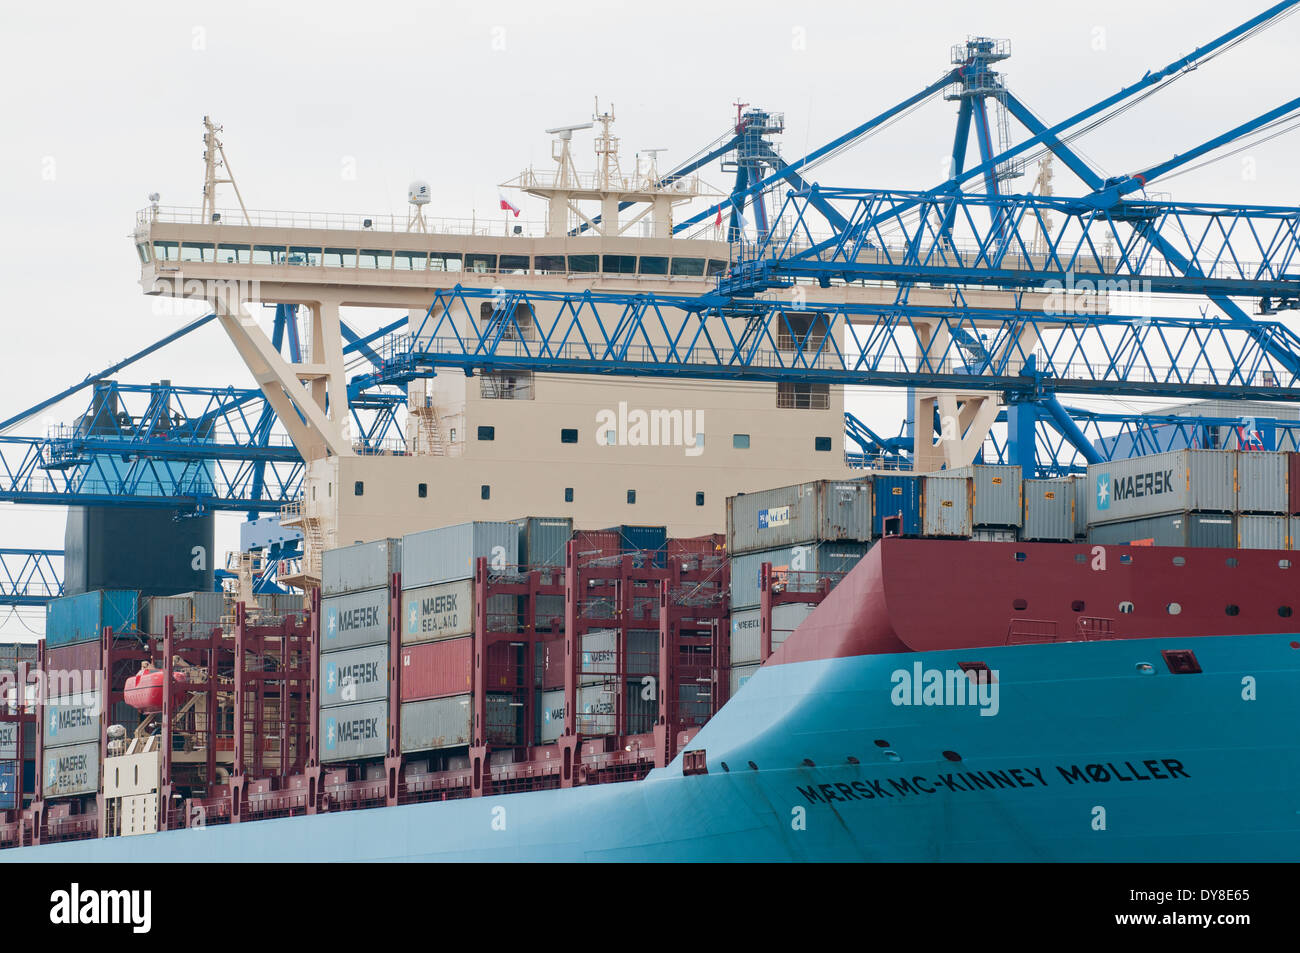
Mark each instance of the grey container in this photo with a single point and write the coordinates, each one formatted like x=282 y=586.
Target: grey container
x=71 y=720
x=354 y=731
x=550 y=715
x=800 y=566
x=740 y=674
x=1293 y=532
x=1198 y=530
x=641 y=706
x=997 y=493
x=353 y=620
x=8 y=741
x=364 y=670
x=822 y=510
x=449 y=553
x=1176 y=482
x=746 y=635
x=947 y=507
x=543 y=540
x=358 y=567
x=504 y=719
x=1262 y=531
x=1049 y=510
x=1082 y=493
x=70 y=771
x=599 y=656
x=436 y=723
x=432 y=613
x=597 y=708
x=995 y=534
x=1262 y=482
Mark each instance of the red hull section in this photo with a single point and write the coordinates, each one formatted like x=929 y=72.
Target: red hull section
x=925 y=595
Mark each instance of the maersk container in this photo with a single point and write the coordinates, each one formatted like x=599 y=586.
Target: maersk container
x=550 y=715
x=1082 y=493
x=360 y=566
x=895 y=506
x=1200 y=530
x=73 y=619
x=436 y=669
x=70 y=771
x=599 y=656
x=436 y=723
x=354 y=675
x=821 y=510
x=72 y=719
x=1049 y=510
x=1262 y=482
x=543 y=540
x=438 y=612
x=740 y=674
x=210 y=608
x=9 y=741
x=597 y=708
x=1262 y=531
x=1180 y=481
x=354 y=731
x=504 y=719
x=798 y=568
x=746 y=636
x=450 y=553
x=353 y=620
x=9 y=785
x=997 y=493
x=946 y=505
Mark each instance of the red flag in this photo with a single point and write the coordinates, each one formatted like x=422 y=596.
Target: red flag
x=717 y=222
x=506 y=206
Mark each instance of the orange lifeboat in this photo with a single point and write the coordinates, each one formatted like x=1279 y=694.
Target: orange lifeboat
x=144 y=690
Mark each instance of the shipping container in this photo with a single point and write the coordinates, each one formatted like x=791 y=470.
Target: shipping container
x=643 y=539
x=1049 y=509
x=1262 y=482
x=438 y=612
x=895 y=505
x=543 y=540
x=642 y=651
x=740 y=674
x=355 y=731
x=71 y=771
x=360 y=566
x=1293 y=532
x=9 y=741
x=596 y=544
x=993 y=534
x=946 y=505
x=1175 y=482
x=449 y=554
x=597 y=708
x=550 y=715
x=504 y=716
x=354 y=675
x=1200 y=530
x=1293 y=483
x=997 y=493
x=9 y=785
x=1082 y=494
x=822 y=510
x=599 y=656
x=1262 y=531
x=550 y=662
x=549 y=614
x=746 y=637
x=797 y=568
x=353 y=620
x=641 y=706
x=210 y=608
x=72 y=719
x=73 y=619
x=82 y=657
x=437 y=669
x=436 y=723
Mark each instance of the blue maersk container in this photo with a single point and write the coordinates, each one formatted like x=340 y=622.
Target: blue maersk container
x=653 y=539
x=896 y=506
x=74 y=619
x=9 y=785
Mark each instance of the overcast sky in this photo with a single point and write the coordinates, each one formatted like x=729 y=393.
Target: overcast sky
x=333 y=106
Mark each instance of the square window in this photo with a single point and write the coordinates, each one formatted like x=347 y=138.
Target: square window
x=699 y=499
x=569 y=435
x=822 y=443
x=631 y=496
x=422 y=490
x=487 y=433
x=485 y=492
x=740 y=441
x=359 y=488
x=568 y=494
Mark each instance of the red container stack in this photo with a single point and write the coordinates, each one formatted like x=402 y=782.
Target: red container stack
x=437 y=669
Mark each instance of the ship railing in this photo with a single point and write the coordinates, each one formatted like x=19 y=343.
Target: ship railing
x=339 y=221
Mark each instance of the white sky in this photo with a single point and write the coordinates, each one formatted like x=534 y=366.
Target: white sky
x=102 y=104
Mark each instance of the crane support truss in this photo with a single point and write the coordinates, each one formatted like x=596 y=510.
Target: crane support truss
x=30 y=577
x=1019 y=352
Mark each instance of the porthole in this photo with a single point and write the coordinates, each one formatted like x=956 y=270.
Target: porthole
x=1080 y=558
x=1232 y=609
x=1020 y=605
x=1126 y=607
x=1020 y=557
x=1180 y=561
x=1284 y=611
x=1126 y=559
x=1077 y=605
x=1173 y=608
x=1284 y=564
x=1231 y=562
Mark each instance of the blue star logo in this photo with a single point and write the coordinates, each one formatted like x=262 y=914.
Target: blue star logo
x=331 y=734
x=331 y=678
x=331 y=623
x=54 y=722
x=1103 y=491
x=413 y=617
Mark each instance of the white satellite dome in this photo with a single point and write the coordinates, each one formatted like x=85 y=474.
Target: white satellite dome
x=417 y=193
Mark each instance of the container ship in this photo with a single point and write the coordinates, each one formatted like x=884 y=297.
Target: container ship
x=911 y=690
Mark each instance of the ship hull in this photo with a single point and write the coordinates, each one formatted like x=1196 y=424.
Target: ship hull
x=1088 y=756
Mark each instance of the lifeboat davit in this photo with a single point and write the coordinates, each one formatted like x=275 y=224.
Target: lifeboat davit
x=144 y=690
